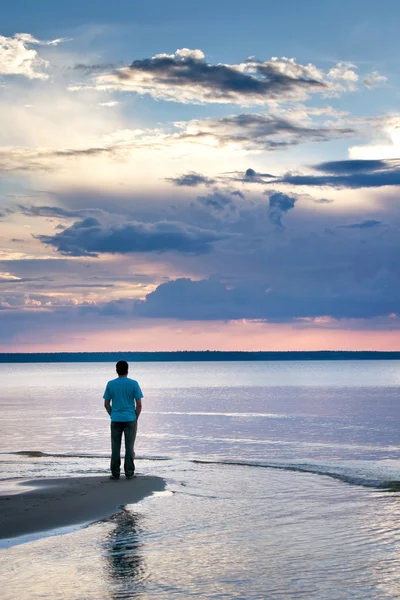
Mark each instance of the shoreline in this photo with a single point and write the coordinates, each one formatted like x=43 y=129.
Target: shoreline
x=62 y=502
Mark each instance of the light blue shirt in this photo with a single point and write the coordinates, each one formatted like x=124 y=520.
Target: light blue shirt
x=123 y=393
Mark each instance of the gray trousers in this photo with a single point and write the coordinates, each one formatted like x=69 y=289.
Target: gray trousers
x=128 y=428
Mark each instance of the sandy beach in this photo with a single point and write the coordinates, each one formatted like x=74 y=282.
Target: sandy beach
x=54 y=503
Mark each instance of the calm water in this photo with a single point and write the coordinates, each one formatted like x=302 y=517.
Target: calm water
x=282 y=481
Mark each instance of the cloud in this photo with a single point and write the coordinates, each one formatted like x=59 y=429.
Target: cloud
x=88 y=69
x=91 y=237
x=278 y=205
x=258 y=132
x=58 y=212
x=7 y=278
x=345 y=75
x=350 y=174
x=374 y=80
x=26 y=159
x=323 y=200
x=252 y=176
x=36 y=301
x=383 y=132
x=191 y=179
x=5 y=212
x=249 y=176
x=368 y=224
x=247 y=132
x=213 y=299
x=187 y=77
x=17 y=57
x=110 y=104
x=349 y=167
x=219 y=202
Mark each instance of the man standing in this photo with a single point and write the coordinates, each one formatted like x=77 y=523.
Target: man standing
x=123 y=402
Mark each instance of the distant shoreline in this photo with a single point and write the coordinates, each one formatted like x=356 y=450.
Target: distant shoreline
x=194 y=356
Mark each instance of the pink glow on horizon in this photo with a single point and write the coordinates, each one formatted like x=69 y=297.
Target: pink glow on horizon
x=241 y=336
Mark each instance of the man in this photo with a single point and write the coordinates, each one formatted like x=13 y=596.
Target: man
x=123 y=402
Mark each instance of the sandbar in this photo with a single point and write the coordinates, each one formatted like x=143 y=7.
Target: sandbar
x=60 y=502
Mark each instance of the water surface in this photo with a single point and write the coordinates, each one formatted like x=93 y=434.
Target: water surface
x=282 y=480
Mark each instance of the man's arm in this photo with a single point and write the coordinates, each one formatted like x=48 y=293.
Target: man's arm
x=107 y=406
x=138 y=407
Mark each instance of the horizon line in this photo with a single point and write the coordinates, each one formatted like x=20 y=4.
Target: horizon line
x=197 y=355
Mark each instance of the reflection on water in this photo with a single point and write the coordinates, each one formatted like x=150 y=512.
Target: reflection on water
x=125 y=566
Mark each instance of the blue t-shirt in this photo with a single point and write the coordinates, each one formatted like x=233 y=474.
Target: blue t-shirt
x=123 y=393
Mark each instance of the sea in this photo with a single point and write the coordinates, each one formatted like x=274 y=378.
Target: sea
x=282 y=481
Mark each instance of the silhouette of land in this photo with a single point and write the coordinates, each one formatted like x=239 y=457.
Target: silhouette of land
x=187 y=356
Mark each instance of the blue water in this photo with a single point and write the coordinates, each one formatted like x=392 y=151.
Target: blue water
x=282 y=480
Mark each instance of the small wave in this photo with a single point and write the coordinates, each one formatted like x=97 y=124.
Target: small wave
x=222 y=414
x=40 y=454
x=359 y=476
x=362 y=473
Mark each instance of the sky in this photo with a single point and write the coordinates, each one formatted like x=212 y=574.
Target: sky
x=193 y=176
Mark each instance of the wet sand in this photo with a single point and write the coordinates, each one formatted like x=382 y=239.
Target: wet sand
x=54 y=503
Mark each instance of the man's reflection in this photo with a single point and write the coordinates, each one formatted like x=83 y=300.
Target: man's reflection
x=125 y=565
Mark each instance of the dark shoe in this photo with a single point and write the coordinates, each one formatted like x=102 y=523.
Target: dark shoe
x=129 y=476
x=114 y=477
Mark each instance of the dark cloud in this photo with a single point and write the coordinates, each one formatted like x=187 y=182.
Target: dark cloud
x=186 y=76
x=191 y=179
x=279 y=204
x=369 y=224
x=323 y=201
x=217 y=201
x=91 y=237
x=350 y=174
x=26 y=159
x=249 y=176
x=239 y=194
x=76 y=152
x=5 y=212
x=99 y=284
x=69 y=275
x=260 y=132
x=94 y=68
x=11 y=280
x=57 y=211
x=349 y=167
x=211 y=299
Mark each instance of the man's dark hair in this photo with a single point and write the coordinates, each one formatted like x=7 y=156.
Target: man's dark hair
x=122 y=367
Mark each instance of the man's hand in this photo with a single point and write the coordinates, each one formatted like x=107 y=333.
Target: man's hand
x=107 y=406
x=138 y=407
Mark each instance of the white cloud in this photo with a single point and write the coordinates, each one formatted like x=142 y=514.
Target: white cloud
x=385 y=142
x=17 y=58
x=374 y=79
x=345 y=77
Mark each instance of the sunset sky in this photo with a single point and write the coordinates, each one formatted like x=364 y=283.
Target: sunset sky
x=199 y=175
